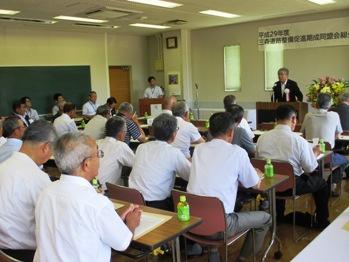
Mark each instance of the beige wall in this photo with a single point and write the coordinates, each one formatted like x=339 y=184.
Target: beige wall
x=304 y=64
x=27 y=47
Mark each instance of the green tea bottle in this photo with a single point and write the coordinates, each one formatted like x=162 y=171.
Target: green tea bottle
x=183 y=212
x=268 y=169
x=322 y=146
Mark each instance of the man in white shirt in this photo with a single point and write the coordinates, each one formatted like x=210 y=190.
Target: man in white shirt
x=231 y=100
x=65 y=123
x=116 y=152
x=156 y=164
x=73 y=221
x=90 y=107
x=326 y=125
x=13 y=130
x=31 y=112
x=282 y=143
x=187 y=133
x=21 y=182
x=19 y=109
x=95 y=128
x=59 y=99
x=217 y=169
x=153 y=91
x=169 y=103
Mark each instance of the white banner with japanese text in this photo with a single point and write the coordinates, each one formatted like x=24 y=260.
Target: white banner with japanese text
x=326 y=32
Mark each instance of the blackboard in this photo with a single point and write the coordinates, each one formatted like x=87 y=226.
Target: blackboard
x=40 y=83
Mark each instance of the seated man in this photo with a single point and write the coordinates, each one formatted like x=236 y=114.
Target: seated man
x=21 y=182
x=89 y=109
x=187 y=133
x=73 y=221
x=116 y=152
x=282 y=143
x=19 y=109
x=13 y=130
x=241 y=138
x=169 y=103
x=156 y=164
x=134 y=129
x=111 y=103
x=343 y=110
x=65 y=123
x=217 y=169
x=59 y=99
x=231 y=100
x=95 y=128
x=326 y=125
x=31 y=112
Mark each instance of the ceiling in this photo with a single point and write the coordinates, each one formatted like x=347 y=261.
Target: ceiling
x=249 y=10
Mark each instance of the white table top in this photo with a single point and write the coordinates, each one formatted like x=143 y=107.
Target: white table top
x=341 y=137
x=330 y=245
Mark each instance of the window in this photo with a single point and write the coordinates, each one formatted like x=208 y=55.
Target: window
x=232 y=81
x=273 y=61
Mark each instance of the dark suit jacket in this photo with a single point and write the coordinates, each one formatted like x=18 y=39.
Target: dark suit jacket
x=294 y=92
x=343 y=112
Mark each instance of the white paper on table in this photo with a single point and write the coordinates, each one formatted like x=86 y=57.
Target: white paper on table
x=149 y=221
x=155 y=110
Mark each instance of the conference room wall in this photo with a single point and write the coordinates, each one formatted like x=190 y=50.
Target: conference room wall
x=304 y=64
x=31 y=47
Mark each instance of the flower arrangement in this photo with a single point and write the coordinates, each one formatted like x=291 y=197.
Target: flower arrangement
x=329 y=85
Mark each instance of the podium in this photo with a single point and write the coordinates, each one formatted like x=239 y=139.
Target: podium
x=144 y=104
x=266 y=113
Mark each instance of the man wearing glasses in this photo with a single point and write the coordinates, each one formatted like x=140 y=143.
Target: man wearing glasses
x=74 y=222
x=13 y=130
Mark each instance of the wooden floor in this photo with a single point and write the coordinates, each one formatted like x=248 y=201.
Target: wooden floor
x=289 y=248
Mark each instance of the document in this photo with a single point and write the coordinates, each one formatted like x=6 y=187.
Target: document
x=149 y=221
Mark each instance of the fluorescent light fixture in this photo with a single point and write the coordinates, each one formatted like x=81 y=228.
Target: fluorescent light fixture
x=218 y=13
x=80 y=19
x=322 y=2
x=150 y=26
x=160 y=3
x=8 y=12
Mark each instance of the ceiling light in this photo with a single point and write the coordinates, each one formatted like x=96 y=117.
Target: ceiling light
x=8 y=12
x=322 y=2
x=157 y=3
x=150 y=26
x=81 y=19
x=218 y=13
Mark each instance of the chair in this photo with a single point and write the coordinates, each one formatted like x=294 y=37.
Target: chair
x=6 y=258
x=284 y=168
x=211 y=210
x=125 y=194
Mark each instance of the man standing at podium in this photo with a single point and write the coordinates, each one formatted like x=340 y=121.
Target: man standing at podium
x=153 y=90
x=286 y=90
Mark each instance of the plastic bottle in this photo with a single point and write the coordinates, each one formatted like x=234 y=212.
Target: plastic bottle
x=269 y=169
x=97 y=185
x=83 y=124
x=191 y=116
x=183 y=212
x=322 y=146
x=207 y=124
x=146 y=114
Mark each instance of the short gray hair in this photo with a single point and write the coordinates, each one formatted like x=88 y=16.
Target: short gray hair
x=180 y=109
x=125 y=107
x=70 y=150
x=283 y=69
x=324 y=101
x=102 y=110
x=40 y=131
x=10 y=125
x=344 y=97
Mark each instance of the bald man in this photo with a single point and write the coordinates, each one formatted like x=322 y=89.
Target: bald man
x=169 y=103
